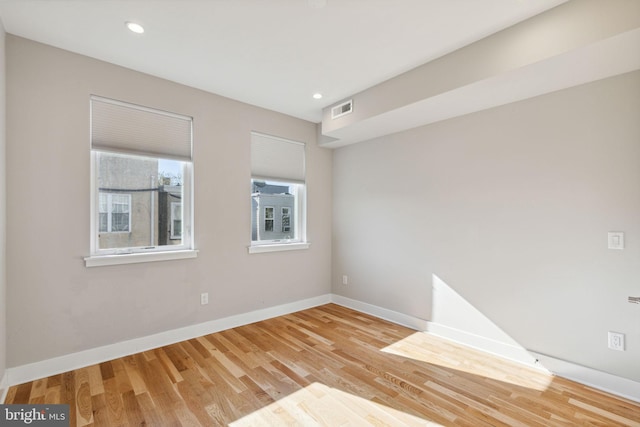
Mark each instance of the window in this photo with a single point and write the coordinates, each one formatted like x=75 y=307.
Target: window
x=114 y=212
x=176 y=220
x=277 y=194
x=286 y=219
x=141 y=180
x=268 y=218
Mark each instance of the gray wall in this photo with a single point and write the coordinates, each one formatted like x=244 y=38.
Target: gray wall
x=510 y=208
x=57 y=305
x=3 y=189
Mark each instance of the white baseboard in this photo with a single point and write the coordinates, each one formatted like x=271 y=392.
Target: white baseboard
x=487 y=345
x=45 y=368
x=610 y=383
x=497 y=348
x=591 y=377
x=382 y=313
x=600 y=380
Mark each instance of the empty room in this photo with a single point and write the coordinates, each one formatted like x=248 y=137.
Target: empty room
x=320 y=212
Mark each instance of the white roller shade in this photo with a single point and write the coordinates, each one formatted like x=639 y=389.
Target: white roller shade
x=122 y=127
x=276 y=158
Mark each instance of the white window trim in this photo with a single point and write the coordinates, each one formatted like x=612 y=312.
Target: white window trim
x=281 y=160
x=299 y=226
x=134 y=258
x=117 y=256
x=278 y=247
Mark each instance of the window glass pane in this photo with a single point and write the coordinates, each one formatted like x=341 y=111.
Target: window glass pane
x=136 y=199
x=286 y=220
x=176 y=220
x=103 y=219
x=268 y=213
x=120 y=203
x=119 y=222
x=268 y=219
x=273 y=211
x=103 y=203
x=176 y=210
x=114 y=212
x=176 y=231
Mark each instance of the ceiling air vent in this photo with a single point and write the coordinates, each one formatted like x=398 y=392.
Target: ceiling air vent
x=342 y=109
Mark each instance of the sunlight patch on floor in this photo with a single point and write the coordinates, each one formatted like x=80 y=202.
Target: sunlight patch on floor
x=320 y=405
x=423 y=347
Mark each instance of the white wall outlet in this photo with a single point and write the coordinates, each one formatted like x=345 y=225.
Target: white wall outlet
x=204 y=298
x=616 y=239
x=616 y=341
x=345 y=280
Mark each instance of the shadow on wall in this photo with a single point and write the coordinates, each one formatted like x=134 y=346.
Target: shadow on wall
x=455 y=318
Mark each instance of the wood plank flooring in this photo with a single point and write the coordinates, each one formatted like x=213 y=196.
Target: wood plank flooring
x=324 y=366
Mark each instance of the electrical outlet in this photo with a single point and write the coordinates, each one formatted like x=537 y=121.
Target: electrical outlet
x=345 y=280
x=616 y=341
x=204 y=298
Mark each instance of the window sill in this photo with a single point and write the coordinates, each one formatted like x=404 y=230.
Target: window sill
x=278 y=247
x=104 y=260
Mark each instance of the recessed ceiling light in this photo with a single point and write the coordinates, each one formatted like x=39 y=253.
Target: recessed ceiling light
x=317 y=95
x=134 y=27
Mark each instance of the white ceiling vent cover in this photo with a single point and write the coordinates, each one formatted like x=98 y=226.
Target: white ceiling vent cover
x=342 y=109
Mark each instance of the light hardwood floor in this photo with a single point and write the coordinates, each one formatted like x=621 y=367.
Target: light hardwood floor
x=324 y=366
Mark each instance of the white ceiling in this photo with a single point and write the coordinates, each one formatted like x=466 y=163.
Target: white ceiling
x=270 y=53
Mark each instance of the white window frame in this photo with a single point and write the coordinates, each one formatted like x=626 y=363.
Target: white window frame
x=187 y=226
x=281 y=161
x=110 y=212
x=298 y=216
x=130 y=255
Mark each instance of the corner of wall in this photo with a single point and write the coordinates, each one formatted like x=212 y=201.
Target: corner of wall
x=609 y=383
x=4 y=387
x=57 y=365
x=3 y=275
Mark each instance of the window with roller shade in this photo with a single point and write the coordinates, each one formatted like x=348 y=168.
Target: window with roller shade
x=277 y=191
x=141 y=166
